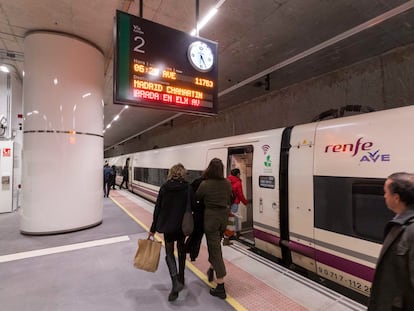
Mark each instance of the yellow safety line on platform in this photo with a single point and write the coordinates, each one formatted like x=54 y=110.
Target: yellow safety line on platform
x=231 y=301
x=157 y=237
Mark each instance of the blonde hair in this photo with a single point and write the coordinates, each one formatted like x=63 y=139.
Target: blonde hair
x=177 y=171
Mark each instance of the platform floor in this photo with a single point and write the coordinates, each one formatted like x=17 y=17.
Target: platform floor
x=92 y=270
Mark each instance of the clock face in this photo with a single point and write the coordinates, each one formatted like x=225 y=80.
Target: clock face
x=201 y=56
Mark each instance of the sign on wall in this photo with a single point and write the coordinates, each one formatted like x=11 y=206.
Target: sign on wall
x=6 y=176
x=159 y=67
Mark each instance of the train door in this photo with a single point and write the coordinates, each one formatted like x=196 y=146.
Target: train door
x=300 y=197
x=266 y=202
x=242 y=158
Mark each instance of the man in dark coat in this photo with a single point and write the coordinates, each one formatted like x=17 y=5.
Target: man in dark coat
x=393 y=286
x=106 y=179
x=113 y=177
x=125 y=175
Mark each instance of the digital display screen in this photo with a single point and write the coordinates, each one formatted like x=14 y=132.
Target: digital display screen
x=267 y=182
x=159 y=67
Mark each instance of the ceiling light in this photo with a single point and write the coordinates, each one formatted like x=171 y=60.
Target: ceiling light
x=3 y=68
x=207 y=18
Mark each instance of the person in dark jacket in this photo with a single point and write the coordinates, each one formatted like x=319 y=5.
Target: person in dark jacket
x=168 y=217
x=106 y=179
x=113 y=177
x=125 y=175
x=215 y=192
x=393 y=285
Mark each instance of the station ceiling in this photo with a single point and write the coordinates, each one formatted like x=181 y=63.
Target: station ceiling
x=263 y=45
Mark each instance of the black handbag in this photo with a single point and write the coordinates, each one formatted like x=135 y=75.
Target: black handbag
x=188 y=220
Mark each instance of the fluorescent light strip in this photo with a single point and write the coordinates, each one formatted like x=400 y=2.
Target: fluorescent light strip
x=208 y=17
x=115 y=118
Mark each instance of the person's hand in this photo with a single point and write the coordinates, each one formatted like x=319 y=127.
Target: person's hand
x=150 y=234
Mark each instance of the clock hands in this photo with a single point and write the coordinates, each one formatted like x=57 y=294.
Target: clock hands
x=202 y=59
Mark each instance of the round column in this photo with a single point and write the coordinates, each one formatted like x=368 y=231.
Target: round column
x=62 y=134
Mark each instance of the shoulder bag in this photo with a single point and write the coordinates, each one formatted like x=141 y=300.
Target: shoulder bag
x=188 y=220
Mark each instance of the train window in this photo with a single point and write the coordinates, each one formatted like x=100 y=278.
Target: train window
x=192 y=175
x=332 y=202
x=158 y=176
x=351 y=206
x=153 y=176
x=118 y=170
x=369 y=210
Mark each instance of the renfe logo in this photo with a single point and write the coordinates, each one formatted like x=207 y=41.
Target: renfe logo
x=356 y=148
x=350 y=147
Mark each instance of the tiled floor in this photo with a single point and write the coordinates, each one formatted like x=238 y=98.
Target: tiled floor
x=252 y=282
x=92 y=270
x=89 y=270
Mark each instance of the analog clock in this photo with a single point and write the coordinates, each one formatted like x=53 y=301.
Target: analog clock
x=201 y=56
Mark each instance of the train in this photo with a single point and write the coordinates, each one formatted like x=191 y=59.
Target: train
x=314 y=191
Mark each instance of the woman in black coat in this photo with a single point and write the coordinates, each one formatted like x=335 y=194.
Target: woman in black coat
x=168 y=217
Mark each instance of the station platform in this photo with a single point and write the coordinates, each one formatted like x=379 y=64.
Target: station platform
x=93 y=270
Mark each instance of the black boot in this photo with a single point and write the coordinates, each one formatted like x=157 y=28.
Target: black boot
x=176 y=285
x=181 y=266
x=219 y=291
x=210 y=274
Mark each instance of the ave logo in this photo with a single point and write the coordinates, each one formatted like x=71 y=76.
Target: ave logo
x=375 y=156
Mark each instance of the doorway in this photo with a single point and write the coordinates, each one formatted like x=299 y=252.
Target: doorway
x=242 y=158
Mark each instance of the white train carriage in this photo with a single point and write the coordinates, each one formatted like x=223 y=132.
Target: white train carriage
x=315 y=191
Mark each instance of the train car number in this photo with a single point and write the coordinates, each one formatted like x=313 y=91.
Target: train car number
x=345 y=279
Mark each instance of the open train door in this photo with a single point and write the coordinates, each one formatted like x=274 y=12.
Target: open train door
x=241 y=157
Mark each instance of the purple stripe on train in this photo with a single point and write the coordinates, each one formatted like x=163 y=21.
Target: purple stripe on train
x=342 y=264
x=147 y=191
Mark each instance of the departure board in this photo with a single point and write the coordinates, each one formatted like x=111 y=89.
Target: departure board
x=160 y=67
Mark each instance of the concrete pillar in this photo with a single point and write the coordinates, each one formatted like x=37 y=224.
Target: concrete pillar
x=62 y=134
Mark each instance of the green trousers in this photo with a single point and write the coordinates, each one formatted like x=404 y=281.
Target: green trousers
x=215 y=222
